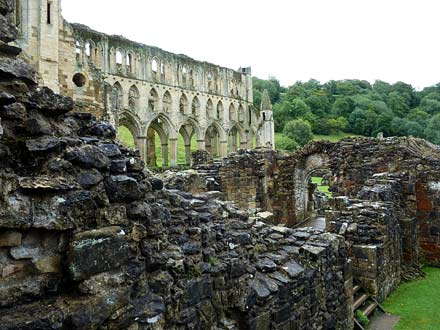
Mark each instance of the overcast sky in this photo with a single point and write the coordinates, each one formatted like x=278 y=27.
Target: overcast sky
x=391 y=40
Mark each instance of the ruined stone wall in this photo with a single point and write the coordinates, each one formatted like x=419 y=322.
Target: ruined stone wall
x=90 y=240
x=278 y=183
x=371 y=227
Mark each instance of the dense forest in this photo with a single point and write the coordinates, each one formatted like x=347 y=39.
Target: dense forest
x=351 y=106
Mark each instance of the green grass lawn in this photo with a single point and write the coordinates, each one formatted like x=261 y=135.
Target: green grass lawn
x=321 y=188
x=417 y=303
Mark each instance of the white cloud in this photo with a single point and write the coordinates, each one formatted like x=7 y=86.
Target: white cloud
x=293 y=40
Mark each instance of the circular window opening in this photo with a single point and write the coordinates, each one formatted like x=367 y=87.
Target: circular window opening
x=79 y=79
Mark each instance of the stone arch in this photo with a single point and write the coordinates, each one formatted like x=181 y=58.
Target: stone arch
x=88 y=50
x=184 y=75
x=232 y=113
x=119 y=58
x=304 y=170
x=191 y=78
x=163 y=127
x=155 y=67
x=220 y=111
x=99 y=56
x=78 y=50
x=183 y=104
x=132 y=122
x=111 y=59
x=210 y=109
x=153 y=98
x=188 y=130
x=130 y=63
x=210 y=80
x=139 y=66
x=213 y=139
x=195 y=106
x=167 y=102
x=118 y=96
x=197 y=79
x=241 y=114
x=133 y=98
x=236 y=138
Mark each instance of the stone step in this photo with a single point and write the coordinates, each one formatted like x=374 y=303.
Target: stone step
x=369 y=309
x=360 y=300
x=356 y=288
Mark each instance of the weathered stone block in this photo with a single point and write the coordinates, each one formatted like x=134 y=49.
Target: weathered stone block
x=88 y=156
x=96 y=251
x=122 y=188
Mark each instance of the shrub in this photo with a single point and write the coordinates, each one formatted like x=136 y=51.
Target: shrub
x=286 y=143
x=299 y=130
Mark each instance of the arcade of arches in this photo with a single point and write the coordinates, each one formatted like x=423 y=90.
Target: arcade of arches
x=170 y=129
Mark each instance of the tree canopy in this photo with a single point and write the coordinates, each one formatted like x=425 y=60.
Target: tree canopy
x=353 y=106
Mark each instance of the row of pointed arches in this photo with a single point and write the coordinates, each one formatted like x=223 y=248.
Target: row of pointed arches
x=187 y=106
x=163 y=145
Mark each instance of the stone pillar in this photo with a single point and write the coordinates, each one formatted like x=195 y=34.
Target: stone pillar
x=173 y=152
x=151 y=149
x=187 y=154
x=215 y=146
x=141 y=144
x=201 y=145
x=164 y=154
x=224 y=148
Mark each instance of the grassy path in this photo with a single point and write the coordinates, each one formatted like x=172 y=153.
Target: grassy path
x=417 y=303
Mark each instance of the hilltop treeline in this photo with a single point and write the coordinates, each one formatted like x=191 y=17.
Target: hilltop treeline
x=355 y=106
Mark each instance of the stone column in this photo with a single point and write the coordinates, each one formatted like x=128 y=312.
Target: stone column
x=164 y=154
x=151 y=149
x=141 y=144
x=173 y=152
x=224 y=148
x=201 y=145
x=188 y=154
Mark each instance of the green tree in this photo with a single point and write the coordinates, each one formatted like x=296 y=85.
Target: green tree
x=343 y=106
x=363 y=122
x=430 y=105
x=398 y=104
x=383 y=123
x=432 y=132
x=419 y=116
x=299 y=130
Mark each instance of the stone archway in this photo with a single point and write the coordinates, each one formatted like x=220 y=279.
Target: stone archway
x=236 y=138
x=161 y=127
x=302 y=176
x=190 y=130
x=215 y=140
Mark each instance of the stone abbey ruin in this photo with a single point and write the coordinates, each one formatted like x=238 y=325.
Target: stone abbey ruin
x=90 y=239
